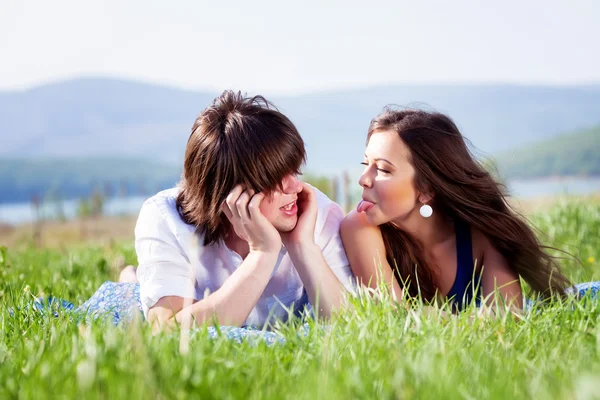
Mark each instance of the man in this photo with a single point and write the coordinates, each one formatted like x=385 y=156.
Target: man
x=241 y=238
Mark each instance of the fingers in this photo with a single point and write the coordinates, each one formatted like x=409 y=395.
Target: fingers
x=254 y=206
x=226 y=211
x=229 y=207
x=308 y=190
x=241 y=205
x=236 y=203
x=307 y=197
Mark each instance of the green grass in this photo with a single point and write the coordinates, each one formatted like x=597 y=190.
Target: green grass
x=374 y=351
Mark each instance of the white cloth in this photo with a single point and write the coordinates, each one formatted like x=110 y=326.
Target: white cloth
x=174 y=262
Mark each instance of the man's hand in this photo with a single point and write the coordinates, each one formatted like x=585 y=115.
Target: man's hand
x=304 y=232
x=162 y=315
x=242 y=208
x=324 y=289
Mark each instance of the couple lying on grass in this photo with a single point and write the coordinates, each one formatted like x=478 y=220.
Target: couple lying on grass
x=242 y=241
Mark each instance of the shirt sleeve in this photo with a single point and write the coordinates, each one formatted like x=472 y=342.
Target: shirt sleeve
x=164 y=269
x=330 y=242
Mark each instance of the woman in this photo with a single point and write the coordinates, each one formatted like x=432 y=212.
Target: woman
x=434 y=222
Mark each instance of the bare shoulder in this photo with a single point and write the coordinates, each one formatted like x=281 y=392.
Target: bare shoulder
x=485 y=251
x=497 y=274
x=481 y=243
x=360 y=238
x=366 y=252
x=355 y=230
x=356 y=223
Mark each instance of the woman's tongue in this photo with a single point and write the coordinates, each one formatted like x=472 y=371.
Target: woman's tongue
x=364 y=206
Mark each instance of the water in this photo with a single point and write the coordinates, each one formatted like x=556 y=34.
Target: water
x=23 y=212
x=17 y=213
x=553 y=187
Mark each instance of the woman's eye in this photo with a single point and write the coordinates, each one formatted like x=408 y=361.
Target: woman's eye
x=366 y=164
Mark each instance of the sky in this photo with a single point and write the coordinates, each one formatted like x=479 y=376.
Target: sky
x=293 y=47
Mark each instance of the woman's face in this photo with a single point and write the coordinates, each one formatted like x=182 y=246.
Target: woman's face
x=388 y=193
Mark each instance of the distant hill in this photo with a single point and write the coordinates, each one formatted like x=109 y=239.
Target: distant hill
x=565 y=155
x=97 y=117
x=22 y=179
x=70 y=137
x=574 y=154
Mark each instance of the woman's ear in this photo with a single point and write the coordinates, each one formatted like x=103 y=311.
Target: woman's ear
x=425 y=198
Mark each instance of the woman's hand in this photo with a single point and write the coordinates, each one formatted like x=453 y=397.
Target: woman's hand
x=242 y=208
x=304 y=232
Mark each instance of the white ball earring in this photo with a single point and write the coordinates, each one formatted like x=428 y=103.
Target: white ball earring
x=426 y=211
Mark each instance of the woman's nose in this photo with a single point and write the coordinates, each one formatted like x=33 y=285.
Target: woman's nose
x=365 y=179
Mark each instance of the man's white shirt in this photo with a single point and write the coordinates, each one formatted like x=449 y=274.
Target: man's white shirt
x=174 y=262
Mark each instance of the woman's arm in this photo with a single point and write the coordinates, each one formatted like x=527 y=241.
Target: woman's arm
x=366 y=252
x=497 y=276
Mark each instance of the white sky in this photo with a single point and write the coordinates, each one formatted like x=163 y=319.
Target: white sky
x=289 y=47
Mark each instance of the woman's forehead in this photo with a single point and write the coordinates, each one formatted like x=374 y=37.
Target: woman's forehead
x=386 y=144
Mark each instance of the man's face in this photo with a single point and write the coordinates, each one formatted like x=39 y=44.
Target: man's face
x=280 y=207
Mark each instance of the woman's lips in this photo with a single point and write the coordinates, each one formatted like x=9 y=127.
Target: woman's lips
x=364 y=206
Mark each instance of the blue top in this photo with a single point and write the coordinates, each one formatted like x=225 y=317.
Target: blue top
x=467 y=282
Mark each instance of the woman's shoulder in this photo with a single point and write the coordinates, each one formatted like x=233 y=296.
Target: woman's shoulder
x=484 y=249
x=355 y=225
x=355 y=220
x=481 y=242
x=364 y=246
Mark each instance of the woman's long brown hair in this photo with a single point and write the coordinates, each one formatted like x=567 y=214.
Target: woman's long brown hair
x=463 y=189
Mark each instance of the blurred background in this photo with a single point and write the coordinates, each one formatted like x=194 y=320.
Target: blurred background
x=97 y=98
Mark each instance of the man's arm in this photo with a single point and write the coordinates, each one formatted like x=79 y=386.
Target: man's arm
x=162 y=314
x=325 y=290
x=164 y=270
x=232 y=303
x=229 y=305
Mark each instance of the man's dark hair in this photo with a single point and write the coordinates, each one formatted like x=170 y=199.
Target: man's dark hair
x=236 y=140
